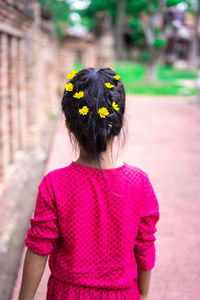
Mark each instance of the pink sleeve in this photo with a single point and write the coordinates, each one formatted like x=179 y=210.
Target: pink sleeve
x=44 y=231
x=144 y=248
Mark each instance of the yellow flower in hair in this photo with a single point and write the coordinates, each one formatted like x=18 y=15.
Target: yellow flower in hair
x=79 y=95
x=117 y=77
x=111 y=68
x=69 y=86
x=109 y=85
x=103 y=112
x=115 y=106
x=72 y=74
x=84 y=110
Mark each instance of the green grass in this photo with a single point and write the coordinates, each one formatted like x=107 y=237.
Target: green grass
x=145 y=88
x=168 y=72
x=130 y=71
x=133 y=76
x=78 y=66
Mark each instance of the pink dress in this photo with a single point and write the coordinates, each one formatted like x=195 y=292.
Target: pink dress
x=97 y=231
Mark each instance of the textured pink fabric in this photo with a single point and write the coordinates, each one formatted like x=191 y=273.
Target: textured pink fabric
x=96 y=229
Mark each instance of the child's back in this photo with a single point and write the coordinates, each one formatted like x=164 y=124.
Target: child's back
x=94 y=231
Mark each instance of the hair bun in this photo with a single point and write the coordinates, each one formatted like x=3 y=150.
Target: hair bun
x=101 y=140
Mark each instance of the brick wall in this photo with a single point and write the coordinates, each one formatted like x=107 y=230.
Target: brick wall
x=29 y=76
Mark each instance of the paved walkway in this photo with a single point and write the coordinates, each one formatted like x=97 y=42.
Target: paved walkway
x=163 y=139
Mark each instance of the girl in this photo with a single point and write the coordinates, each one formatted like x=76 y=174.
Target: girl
x=95 y=217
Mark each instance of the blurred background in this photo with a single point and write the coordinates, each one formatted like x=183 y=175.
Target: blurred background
x=154 y=46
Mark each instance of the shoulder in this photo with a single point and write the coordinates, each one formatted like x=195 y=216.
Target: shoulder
x=136 y=175
x=136 y=170
x=57 y=174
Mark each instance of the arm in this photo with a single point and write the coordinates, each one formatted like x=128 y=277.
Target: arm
x=33 y=270
x=144 y=244
x=145 y=253
x=143 y=283
x=41 y=240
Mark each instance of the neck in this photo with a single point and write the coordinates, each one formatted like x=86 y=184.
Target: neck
x=107 y=161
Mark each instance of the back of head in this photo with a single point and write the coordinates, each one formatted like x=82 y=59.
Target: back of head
x=94 y=104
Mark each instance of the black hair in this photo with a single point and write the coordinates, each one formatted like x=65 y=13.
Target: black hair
x=92 y=131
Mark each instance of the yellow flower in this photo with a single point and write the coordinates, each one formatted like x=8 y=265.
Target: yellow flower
x=117 y=77
x=109 y=85
x=111 y=68
x=78 y=95
x=72 y=74
x=103 y=112
x=69 y=86
x=84 y=110
x=115 y=106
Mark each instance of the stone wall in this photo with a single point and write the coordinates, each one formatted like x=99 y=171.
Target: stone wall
x=28 y=78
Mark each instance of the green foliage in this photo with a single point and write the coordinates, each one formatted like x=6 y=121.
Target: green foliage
x=137 y=38
x=99 y=5
x=60 y=11
x=157 y=30
x=137 y=35
x=136 y=7
x=145 y=56
x=170 y=3
x=135 y=24
x=159 y=42
x=88 y=22
x=133 y=9
x=88 y=15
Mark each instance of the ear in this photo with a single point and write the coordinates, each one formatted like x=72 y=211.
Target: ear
x=66 y=124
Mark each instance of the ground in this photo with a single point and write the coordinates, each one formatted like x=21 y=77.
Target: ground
x=163 y=140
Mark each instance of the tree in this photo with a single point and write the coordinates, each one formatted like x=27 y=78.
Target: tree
x=140 y=16
x=148 y=17
x=119 y=32
x=117 y=10
x=194 y=53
